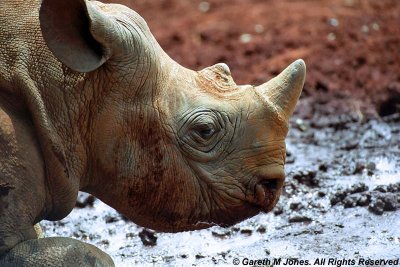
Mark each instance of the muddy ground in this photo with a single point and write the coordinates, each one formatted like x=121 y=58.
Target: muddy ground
x=342 y=194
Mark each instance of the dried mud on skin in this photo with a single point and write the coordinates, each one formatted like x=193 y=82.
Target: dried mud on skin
x=341 y=197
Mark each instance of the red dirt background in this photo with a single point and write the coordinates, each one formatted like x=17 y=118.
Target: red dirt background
x=351 y=47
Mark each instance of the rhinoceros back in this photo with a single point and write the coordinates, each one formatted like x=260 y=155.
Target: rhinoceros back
x=23 y=52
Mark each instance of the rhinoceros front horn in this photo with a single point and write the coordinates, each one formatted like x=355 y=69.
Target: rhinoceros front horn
x=284 y=90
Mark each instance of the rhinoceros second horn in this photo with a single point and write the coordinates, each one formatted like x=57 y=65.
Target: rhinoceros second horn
x=284 y=90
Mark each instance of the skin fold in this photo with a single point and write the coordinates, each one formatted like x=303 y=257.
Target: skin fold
x=89 y=101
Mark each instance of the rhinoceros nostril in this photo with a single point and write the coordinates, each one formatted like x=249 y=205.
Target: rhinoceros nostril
x=270 y=184
x=266 y=191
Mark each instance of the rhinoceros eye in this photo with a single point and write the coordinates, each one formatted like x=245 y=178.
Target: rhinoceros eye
x=205 y=131
x=201 y=131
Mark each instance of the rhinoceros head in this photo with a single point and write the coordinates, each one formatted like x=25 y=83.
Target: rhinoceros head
x=171 y=148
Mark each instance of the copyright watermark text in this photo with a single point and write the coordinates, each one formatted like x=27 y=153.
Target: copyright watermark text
x=315 y=262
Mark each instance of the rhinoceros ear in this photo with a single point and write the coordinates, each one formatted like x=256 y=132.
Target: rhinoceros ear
x=77 y=33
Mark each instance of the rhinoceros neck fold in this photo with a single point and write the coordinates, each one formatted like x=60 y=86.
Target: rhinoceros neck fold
x=61 y=180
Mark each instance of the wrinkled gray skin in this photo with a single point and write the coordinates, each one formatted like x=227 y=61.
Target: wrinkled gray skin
x=89 y=101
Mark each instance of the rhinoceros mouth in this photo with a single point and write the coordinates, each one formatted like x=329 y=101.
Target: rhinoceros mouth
x=267 y=192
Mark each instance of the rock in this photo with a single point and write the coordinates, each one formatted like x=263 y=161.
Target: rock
x=290 y=158
x=261 y=229
x=323 y=167
x=300 y=125
x=296 y=205
x=358 y=188
x=364 y=199
x=393 y=188
x=381 y=188
x=316 y=230
x=356 y=195
x=357 y=199
x=307 y=177
x=199 y=256
x=235 y=229
x=335 y=200
x=148 y=237
x=358 y=168
x=391 y=202
x=84 y=200
x=390 y=105
x=110 y=219
x=246 y=231
x=290 y=188
x=221 y=234
x=377 y=207
x=379 y=200
x=338 y=196
x=299 y=218
x=371 y=167
x=94 y=237
x=384 y=202
x=350 y=145
x=166 y=259
x=105 y=242
x=278 y=210
x=350 y=201
x=129 y=235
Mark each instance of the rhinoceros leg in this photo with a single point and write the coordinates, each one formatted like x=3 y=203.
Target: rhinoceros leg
x=55 y=252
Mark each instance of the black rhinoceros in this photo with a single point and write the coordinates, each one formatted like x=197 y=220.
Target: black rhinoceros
x=89 y=101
